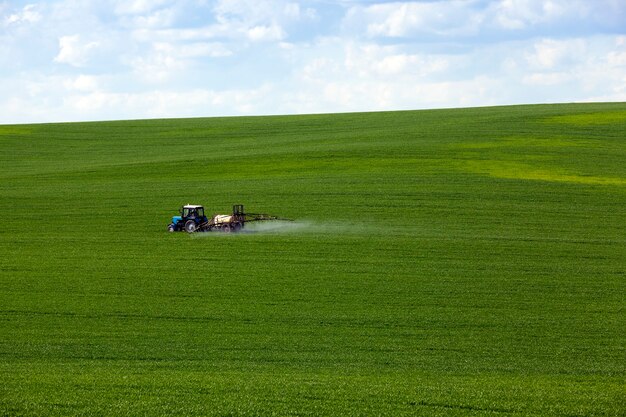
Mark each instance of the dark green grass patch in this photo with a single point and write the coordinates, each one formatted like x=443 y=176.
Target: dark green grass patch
x=454 y=262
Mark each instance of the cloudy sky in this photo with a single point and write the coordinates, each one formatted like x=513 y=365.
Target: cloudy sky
x=72 y=60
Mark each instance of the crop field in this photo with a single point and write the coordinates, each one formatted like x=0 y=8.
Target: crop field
x=445 y=262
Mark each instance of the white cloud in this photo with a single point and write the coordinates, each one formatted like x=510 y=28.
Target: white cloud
x=160 y=65
x=524 y=14
x=167 y=59
x=363 y=95
x=550 y=53
x=28 y=14
x=384 y=61
x=234 y=22
x=74 y=51
x=259 y=11
x=204 y=49
x=547 y=78
x=157 y=19
x=617 y=59
x=519 y=14
x=617 y=56
x=82 y=83
x=257 y=20
x=405 y=19
x=462 y=18
x=577 y=68
x=370 y=76
x=137 y=6
x=164 y=103
x=266 y=33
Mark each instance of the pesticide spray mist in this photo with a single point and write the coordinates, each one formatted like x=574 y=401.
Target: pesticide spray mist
x=276 y=227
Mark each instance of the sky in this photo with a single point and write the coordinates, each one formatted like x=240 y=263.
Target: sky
x=79 y=60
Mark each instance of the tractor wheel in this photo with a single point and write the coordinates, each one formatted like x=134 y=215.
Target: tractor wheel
x=236 y=227
x=170 y=228
x=190 y=226
x=226 y=228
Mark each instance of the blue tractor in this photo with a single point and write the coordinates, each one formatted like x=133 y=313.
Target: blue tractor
x=191 y=219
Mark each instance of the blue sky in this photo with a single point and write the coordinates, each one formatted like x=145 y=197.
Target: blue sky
x=74 y=60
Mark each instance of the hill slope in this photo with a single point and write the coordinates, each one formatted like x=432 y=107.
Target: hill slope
x=467 y=262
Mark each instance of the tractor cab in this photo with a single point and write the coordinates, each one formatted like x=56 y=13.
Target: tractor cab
x=191 y=212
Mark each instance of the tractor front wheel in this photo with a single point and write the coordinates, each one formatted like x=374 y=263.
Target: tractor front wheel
x=190 y=226
x=170 y=228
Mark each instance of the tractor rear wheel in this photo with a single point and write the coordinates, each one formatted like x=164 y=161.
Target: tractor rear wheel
x=190 y=226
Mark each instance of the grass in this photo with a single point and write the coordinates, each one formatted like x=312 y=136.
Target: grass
x=449 y=262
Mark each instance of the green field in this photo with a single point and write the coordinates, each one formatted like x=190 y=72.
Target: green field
x=445 y=262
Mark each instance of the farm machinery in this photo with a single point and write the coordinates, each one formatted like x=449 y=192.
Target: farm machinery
x=192 y=219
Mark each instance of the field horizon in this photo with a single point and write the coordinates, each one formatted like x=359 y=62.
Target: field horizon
x=463 y=261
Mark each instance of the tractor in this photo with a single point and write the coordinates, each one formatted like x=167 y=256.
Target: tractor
x=192 y=219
